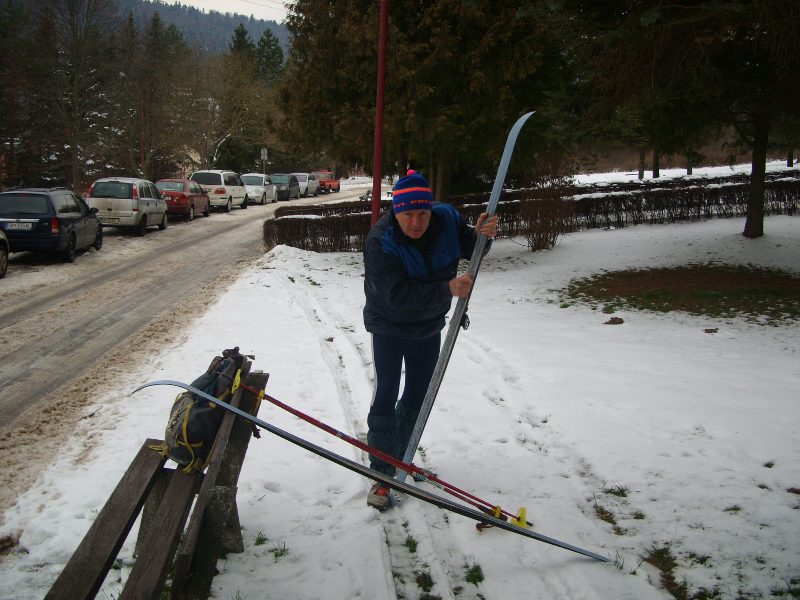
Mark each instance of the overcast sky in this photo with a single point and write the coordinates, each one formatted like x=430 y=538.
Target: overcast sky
x=272 y=10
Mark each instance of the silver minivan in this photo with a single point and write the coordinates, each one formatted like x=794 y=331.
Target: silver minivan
x=128 y=202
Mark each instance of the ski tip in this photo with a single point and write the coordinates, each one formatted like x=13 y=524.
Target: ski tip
x=150 y=384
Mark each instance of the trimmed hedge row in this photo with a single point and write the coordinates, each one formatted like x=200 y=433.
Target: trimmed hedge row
x=541 y=216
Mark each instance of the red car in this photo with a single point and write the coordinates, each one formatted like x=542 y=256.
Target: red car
x=327 y=181
x=184 y=197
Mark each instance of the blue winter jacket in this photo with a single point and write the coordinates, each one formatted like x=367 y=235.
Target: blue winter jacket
x=407 y=292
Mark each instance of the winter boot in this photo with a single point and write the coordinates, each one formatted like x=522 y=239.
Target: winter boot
x=382 y=436
x=378 y=496
x=405 y=421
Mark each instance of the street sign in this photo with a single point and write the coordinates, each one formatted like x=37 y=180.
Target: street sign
x=263 y=154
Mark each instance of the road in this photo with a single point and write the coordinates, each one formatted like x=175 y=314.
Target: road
x=67 y=329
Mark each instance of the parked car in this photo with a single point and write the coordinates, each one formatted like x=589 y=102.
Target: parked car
x=309 y=185
x=3 y=254
x=260 y=186
x=128 y=202
x=53 y=220
x=287 y=185
x=184 y=198
x=225 y=189
x=327 y=181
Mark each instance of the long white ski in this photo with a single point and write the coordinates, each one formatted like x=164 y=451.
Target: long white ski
x=459 y=314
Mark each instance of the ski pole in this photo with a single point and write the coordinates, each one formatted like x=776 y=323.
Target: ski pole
x=415 y=492
x=480 y=503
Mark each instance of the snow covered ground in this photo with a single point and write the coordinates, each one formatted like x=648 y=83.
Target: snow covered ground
x=542 y=406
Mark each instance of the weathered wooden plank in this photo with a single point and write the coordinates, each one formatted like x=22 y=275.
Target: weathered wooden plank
x=161 y=539
x=86 y=570
x=214 y=525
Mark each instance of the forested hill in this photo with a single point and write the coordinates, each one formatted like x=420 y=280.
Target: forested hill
x=211 y=31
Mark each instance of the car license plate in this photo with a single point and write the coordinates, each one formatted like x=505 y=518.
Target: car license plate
x=19 y=226
x=109 y=220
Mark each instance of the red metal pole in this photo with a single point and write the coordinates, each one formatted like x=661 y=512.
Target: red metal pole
x=377 y=169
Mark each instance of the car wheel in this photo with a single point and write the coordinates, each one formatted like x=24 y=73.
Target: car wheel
x=207 y=211
x=3 y=261
x=98 y=239
x=228 y=205
x=163 y=225
x=263 y=199
x=244 y=202
x=71 y=250
x=141 y=228
x=190 y=216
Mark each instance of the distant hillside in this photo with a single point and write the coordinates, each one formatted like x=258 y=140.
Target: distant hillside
x=211 y=31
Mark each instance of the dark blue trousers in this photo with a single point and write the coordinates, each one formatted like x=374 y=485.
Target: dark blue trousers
x=390 y=420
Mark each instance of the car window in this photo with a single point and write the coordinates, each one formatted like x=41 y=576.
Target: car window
x=301 y=178
x=154 y=193
x=195 y=188
x=112 y=189
x=230 y=179
x=280 y=179
x=312 y=178
x=24 y=204
x=144 y=192
x=293 y=180
x=205 y=178
x=61 y=202
x=253 y=179
x=82 y=206
x=172 y=186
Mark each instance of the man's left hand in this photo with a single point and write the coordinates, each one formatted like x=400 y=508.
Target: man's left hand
x=486 y=225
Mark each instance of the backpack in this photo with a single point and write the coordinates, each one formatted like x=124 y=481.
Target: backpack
x=194 y=421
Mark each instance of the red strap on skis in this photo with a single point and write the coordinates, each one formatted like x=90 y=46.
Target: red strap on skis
x=484 y=505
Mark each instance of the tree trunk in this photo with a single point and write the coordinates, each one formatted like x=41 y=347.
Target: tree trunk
x=656 y=164
x=441 y=191
x=689 y=165
x=790 y=158
x=642 y=159
x=754 y=224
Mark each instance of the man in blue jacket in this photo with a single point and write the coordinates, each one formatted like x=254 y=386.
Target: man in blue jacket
x=411 y=258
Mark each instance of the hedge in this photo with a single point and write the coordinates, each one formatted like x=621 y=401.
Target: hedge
x=541 y=215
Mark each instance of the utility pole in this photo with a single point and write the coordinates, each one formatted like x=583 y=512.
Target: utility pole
x=377 y=162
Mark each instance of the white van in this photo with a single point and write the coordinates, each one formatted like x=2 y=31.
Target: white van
x=128 y=202
x=224 y=188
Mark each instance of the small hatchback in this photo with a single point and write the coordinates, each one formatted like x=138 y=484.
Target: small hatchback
x=53 y=220
x=309 y=184
x=128 y=202
x=260 y=188
x=286 y=185
x=225 y=189
x=184 y=198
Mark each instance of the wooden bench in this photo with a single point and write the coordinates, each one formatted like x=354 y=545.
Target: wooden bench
x=165 y=497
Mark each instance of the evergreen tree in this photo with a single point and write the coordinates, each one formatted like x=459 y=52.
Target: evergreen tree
x=709 y=63
x=241 y=42
x=269 y=55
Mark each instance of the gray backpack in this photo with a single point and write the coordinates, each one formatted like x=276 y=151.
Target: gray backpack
x=193 y=420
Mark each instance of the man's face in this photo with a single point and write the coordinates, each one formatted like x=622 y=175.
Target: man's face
x=414 y=223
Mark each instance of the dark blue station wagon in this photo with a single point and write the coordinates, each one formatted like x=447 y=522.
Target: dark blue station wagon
x=53 y=220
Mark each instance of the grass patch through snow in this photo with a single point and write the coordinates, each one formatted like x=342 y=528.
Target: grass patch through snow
x=767 y=296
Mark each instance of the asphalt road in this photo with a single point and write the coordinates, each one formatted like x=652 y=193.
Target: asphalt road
x=67 y=330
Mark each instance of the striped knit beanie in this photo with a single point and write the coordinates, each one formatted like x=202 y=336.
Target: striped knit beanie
x=412 y=192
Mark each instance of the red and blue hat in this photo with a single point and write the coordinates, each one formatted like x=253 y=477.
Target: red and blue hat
x=412 y=192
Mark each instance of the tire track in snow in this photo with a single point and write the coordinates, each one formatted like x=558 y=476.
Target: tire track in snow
x=412 y=523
